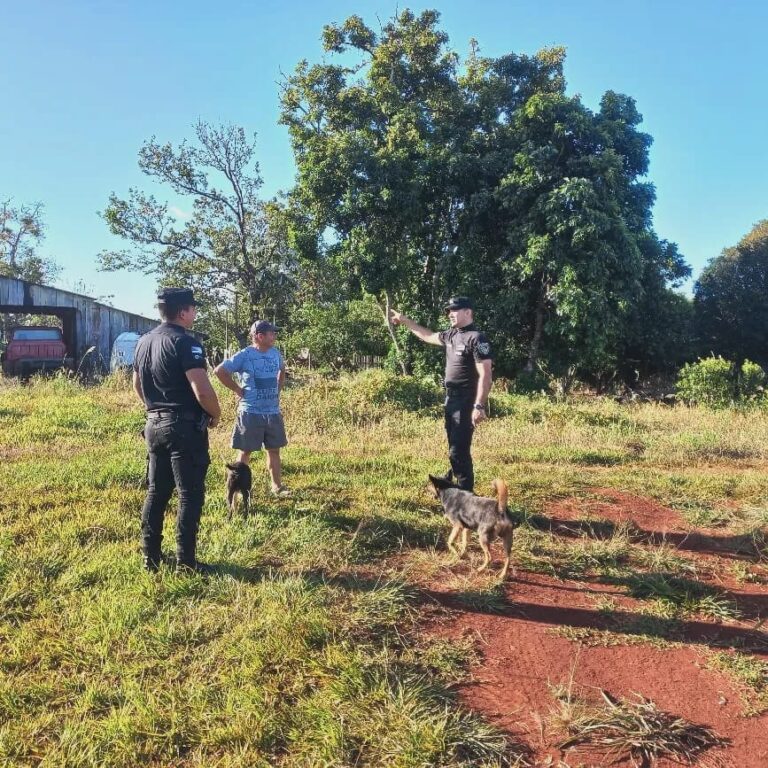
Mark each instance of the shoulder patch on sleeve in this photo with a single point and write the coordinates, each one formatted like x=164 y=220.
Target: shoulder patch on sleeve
x=483 y=347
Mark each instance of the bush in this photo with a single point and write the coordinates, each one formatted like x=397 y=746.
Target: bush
x=752 y=381
x=358 y=399
x=711 y=382
x=335 y=333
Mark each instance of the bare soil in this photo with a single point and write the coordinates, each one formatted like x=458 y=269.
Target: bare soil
x=525 y=653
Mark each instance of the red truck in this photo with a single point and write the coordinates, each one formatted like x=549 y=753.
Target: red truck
x=33 y=348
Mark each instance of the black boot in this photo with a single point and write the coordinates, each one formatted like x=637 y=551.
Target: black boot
x=187 y=569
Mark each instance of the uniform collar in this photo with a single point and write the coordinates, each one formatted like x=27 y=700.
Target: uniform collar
x=169 y=324
x=470 y=327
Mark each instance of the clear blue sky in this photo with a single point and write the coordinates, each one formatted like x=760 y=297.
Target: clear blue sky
x=84 y=83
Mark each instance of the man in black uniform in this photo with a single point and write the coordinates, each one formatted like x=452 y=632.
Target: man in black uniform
x=170 y=378
x=467 y=381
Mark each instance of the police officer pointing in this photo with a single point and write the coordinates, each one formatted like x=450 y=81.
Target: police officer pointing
x=170 y=378
x=467 y=381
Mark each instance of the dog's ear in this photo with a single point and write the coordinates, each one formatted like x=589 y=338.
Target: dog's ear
x=439 y=483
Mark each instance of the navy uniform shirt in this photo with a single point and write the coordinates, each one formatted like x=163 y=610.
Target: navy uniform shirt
x=464 y=347
x=162 y=358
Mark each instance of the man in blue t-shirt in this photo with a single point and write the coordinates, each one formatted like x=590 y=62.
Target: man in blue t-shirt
x=261 y=372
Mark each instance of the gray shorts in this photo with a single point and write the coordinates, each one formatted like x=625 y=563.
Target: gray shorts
x=254 y=430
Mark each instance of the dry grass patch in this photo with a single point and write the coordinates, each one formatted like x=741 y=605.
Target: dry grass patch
x=636 y=730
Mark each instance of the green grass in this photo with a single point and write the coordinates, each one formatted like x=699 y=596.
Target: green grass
x=304 y=648
x=676 y=596
x=293 y=653
x=749 y=674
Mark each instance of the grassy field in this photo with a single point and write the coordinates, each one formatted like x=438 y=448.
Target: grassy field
x=306 y=647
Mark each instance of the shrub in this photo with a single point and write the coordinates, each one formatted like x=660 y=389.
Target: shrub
x=358 y=399
x=711 y=382
x=752 y=381
x=335 y=333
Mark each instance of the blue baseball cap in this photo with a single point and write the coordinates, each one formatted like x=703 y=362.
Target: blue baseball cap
x=263 y=326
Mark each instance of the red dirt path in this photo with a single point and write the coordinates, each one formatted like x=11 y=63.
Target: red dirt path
x=523 y=656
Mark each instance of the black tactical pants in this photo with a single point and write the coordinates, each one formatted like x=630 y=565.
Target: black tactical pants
x=178 y=457
x=459 y=429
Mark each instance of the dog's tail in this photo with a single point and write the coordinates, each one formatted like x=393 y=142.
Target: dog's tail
x=502 y=494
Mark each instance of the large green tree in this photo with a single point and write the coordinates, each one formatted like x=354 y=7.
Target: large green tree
x=377 y=143
x=232 y=249
x=562 y=225
x=658 y=336
x=487 y=178
x=731 y=300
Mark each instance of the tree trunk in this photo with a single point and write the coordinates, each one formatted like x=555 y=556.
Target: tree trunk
x=538 y=331
x=398 y=353
x=736 y=378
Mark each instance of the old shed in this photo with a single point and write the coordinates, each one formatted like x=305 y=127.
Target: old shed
x=86 y=322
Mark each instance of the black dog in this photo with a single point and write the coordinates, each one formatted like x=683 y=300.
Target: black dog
x=489 y=517
x=239 y=480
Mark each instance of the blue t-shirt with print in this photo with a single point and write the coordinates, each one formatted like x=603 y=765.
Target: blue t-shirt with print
x=258 y=377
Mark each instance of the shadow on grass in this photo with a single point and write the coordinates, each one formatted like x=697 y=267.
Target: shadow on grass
x=620 y=622
x=738 y=547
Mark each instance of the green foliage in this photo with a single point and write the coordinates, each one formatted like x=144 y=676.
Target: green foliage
x=660 y=335
x=707 y=382
x=731 y=312
x=751 y=381
x=363 y=399
x=711 y=382
x=678 y=595
x=488 y=179
x=22 y=230
x=232 y=248
x=336 y=333
x=750 y=674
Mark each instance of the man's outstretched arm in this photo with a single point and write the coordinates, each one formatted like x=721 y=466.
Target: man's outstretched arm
x=430 y=337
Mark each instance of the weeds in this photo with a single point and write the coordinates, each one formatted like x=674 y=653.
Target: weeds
x=637 y=730
x=750 y=675
x=636 y=632
x=290 y=653
x=301 y=649
x=679 y=596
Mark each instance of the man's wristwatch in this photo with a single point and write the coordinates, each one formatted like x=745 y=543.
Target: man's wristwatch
x=479 y=407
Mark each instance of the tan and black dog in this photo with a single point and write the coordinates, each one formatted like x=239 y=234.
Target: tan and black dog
x=239 y=481
x=467 y=512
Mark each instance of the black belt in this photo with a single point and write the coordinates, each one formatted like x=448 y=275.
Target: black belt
x=179 y=416
x=451 y=390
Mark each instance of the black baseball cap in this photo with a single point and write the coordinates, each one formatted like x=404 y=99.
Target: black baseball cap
x=458 y=302
x=263 y=326
x=179 y=297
